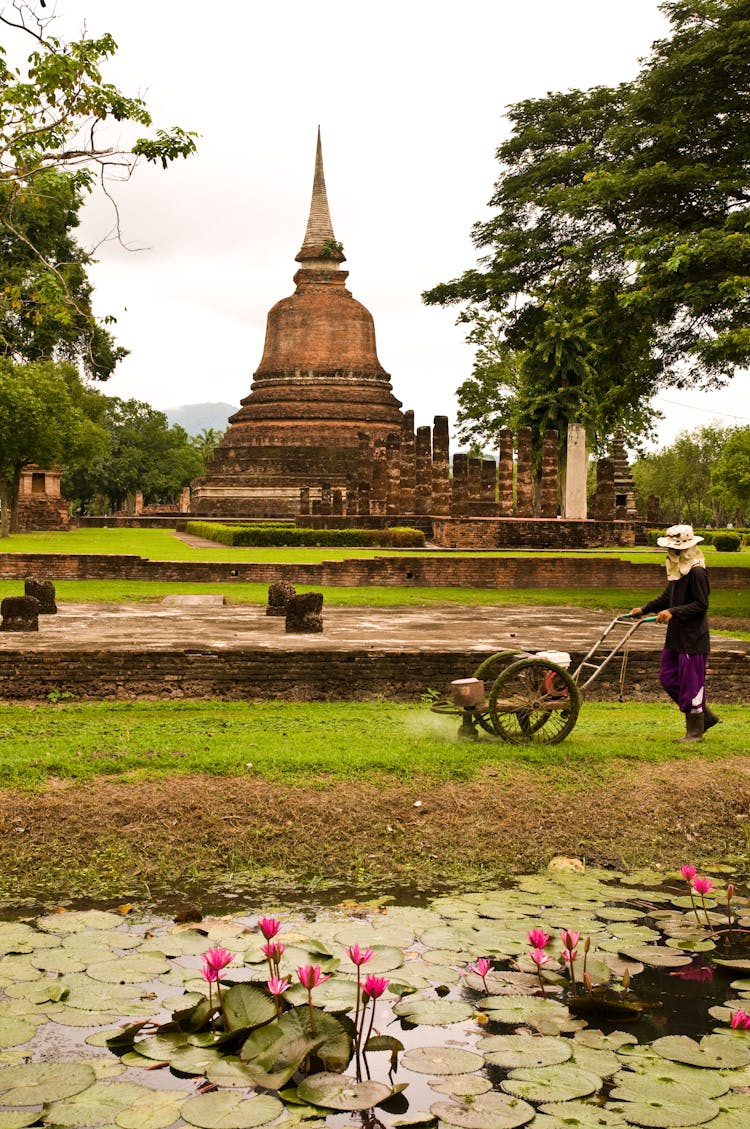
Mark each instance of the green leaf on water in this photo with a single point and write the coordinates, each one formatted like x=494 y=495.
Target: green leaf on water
x=442 y=1060
x=486 y=1111
x=339 y=1091
x=226 y=1110
x=36 y=1082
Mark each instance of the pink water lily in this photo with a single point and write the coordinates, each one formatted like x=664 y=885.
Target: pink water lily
x=730 y=891
x=358 y=956
x=374 y=986
x=569 y=955
x=210 y=975
x=277 y=986
x=688 y=872
x=273 y=950
x=569 y=938
x=538 y=939
x=217 y=959
x=310 y=977
x=703 y=885
x=481 y=967
x=269 y=927
x=539 y=956
x=702 y=972
x=740 y=1020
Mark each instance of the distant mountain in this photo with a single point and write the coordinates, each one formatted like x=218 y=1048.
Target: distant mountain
x=200 y=417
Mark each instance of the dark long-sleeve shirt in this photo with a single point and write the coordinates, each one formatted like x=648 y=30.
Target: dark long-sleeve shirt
x=687 y=599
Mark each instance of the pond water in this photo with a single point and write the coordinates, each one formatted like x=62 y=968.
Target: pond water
x=639 y=1034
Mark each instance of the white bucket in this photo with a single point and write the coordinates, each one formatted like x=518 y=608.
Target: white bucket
x=559 y=658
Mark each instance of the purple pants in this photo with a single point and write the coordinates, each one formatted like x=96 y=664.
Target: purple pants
x=684 y=679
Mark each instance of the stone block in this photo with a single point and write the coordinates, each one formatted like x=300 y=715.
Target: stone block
x=304 y=614
x=44 y=592
x=19 y=613
x=279 y=595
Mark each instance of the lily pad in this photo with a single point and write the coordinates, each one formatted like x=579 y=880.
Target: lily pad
x=18 y=1118
x=37 y=1082
x=680 y=1109
x=339 y=1091
x=713 y=1051
x=77 y=920
x=545 y=1015
x=514 y=1051
x=487 y=1111
x=97 y=1105
x=582 y=1115
x=14 y=1032
x=551 y=1083
x=442 y=1060
x=434 y=1013
x=135 y=968
x=156 y=1109
x=461 y=1085
x=226 y=1110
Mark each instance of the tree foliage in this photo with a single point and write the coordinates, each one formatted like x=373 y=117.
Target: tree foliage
x=43 y=420
x=698 y=478
x=56 y=145
x=617 y=260
x=142 y=452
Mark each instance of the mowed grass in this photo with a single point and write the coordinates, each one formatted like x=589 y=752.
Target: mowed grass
x=166 y=545
x=311 y=744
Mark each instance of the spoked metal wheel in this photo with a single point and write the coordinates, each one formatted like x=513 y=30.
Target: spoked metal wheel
x=489 y=671
x=534 y=702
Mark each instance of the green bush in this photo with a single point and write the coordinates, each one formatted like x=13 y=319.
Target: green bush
x=728 y=542
x=270 y=535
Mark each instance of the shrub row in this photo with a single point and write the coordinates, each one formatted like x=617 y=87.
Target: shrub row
x=723 y=540
x=271 y=535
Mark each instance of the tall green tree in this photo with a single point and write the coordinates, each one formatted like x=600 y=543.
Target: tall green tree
x=730 y=480
x=681 y=475
x=43 y=420
x=142 y=453
x=621 y=227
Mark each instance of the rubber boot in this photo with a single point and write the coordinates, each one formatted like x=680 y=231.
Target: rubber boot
x=694 y=728
x=709 y=719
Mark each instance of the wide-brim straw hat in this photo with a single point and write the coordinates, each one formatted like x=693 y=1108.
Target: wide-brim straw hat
x=679 y=537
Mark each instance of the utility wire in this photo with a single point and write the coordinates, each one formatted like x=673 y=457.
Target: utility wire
x=706 y=411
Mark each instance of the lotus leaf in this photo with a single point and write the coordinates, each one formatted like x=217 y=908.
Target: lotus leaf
x=551 y=1083
x=511 y=1051
x=97 y=1105
x=740 y=965
x=656 y=956
x=599 y=1061
x=333 y=995
x=18 y=968
x=461 y=1085
x=712 y=1051
x=419 y=973
x=225 y=1110
x=156 y=1109
x=18 y=1118
x=160 y=1047
x=339 y=1091
x=682 y=1109
x=543 y=1014
x=280 y=1046
x=194 y=1060
x=77 y=1017
x=247 y=1006
x=583 y=1115
x=709 y=1083
x=36 y=1082
x=486 y=1111
x=619 y=913
x=434 y=1013
x=377 y=934
x=77 y=920
x=228 y=1070
x=447 y=956
x=136 y=968
x=442 y=1060
x=14 y=1032
x=599 y=1041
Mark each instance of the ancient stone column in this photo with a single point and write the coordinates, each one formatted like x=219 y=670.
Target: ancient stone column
x=279 y=595
x=576 y=474
x=138 y=503
x=505 y=474
x=304 y=501
x=326 y=499
x=550 y=483
x=351 y=497
x=603 y=502
x=337 y=503
x=408 y=470
x=487 y=483
x=365 y=459
x=19 y=613
x=524 y=474
x=474 y=484
x=363 y=499
x=460 y=485
x=653 y=506
x=303 y=613
x=423 y=471
x=185 y=500
x=441 y=482
x=393 y=468
x=43 y=592
x=379 y=493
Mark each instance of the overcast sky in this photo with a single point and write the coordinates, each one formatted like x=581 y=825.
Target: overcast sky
x=410 y=97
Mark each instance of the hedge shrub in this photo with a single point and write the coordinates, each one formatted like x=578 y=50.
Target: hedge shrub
x=270 y=535
x=727 y=542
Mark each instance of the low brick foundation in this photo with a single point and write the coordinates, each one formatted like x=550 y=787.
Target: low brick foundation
x=311 y=675
x=418 y=571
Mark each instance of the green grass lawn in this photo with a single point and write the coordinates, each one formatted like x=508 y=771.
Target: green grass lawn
x=165 y=545
x=292 y=743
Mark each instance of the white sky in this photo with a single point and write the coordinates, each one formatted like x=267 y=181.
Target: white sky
x=410 y=96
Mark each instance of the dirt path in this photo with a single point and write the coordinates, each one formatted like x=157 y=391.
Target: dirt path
x=187 y=838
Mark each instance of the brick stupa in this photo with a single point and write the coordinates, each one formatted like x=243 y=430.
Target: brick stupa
x=319 y=389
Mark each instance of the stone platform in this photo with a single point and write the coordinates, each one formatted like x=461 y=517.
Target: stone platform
x=210 y=650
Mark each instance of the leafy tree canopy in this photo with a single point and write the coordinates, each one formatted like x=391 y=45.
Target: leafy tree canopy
x=617 y=260
x=142 y=453
x=56 y=145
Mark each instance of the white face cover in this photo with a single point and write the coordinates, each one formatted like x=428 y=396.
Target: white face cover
x=680 y=561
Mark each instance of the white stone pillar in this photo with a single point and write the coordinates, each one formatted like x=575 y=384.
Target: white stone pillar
x=576 y=474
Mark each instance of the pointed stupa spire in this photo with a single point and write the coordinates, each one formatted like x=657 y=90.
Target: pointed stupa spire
x=320 y=243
